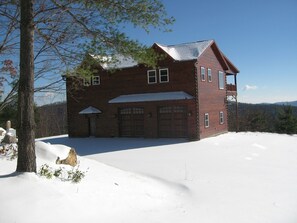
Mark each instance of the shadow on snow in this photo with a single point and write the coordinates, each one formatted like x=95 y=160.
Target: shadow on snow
x=89 y=146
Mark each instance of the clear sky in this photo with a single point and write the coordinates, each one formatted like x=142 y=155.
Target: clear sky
x=258 y=36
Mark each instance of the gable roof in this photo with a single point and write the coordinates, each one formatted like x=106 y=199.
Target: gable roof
x=178 y=52
x=186 y=51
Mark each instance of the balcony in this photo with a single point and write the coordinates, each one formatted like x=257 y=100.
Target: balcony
x=231 y=90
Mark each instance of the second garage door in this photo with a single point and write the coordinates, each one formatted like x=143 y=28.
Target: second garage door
x=172 y=121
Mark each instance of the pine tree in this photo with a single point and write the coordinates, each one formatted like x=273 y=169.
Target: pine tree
x=286 y=121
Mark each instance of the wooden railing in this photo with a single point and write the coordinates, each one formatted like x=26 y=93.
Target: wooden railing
x=231 y=87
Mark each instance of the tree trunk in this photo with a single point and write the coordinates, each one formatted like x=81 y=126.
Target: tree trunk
x=26 y=136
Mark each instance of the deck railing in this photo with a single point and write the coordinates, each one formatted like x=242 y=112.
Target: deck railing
x=231 y=87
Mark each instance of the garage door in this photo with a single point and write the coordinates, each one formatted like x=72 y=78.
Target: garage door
x=172 y=121
x=131 y=122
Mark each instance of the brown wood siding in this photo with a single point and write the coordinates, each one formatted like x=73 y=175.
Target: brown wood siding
x=122 y=82
x=212 y=100
x=208 y=98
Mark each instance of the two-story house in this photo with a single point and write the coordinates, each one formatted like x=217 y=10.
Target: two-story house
x=184 y=96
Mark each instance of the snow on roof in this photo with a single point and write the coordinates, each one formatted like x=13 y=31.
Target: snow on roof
x=161 y=96
x=120 y=61
x=186 y=51
x=179 y=52
x=90 y=110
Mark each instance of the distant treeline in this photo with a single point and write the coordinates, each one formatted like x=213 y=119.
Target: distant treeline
x=263 y=118
x=52 y=119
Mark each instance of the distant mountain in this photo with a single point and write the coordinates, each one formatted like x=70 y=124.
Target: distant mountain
x=292 y=103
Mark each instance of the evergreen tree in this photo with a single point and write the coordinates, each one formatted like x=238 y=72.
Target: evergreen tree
x=286 y=121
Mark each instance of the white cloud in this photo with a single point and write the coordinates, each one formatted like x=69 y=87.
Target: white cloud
x=250 y=87
x=49 y=94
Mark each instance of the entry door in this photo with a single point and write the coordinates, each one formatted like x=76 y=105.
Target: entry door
x=172 y=121
x=92 y=125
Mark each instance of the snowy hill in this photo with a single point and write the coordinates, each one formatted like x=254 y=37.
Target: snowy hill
x=231 y=178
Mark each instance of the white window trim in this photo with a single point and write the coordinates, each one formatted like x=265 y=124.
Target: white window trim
x=160 y=75
x=87 y=81
x=209 y=75
x=94 y=81
x=148 y=77
x=221 y=117
x=202 y=68
x=206 y=120
x=223 y=80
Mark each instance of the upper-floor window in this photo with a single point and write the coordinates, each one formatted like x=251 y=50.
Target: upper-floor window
x=164 y=75
x=96 y=80
x=206 y=120
x=221 y=117
x=209 y=76
x=202 y=73
x=87 y=81
x=151 y=76
x=221 y=80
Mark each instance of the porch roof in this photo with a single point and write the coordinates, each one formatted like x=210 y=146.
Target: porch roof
x=89 y=110
x=160 y=96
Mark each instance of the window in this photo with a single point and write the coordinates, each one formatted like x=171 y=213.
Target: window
x=206 y=120
x=151 y=77
x=96 y=80
x=221 y=117
x=209 y=75
x=164 y=75
x=221 y=80
x=87 y=81
x=202 y=73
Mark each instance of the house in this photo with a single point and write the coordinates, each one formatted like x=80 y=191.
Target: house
x=185 y=96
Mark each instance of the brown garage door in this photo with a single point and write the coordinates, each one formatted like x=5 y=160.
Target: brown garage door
x=131 y=122
x=172 y=121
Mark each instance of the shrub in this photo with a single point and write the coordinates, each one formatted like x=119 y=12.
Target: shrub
x=74 y=175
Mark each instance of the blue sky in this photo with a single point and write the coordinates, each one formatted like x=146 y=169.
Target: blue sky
x=258 y=36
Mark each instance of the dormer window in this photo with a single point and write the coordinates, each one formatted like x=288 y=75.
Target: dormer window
x=151 y=76
x=164 y=75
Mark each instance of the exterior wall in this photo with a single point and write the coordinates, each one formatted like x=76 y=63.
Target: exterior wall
x=211 y=99
x=183 y=76
x=123 y=82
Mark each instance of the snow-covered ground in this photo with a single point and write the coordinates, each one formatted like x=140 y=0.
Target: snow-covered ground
x=231 y=178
